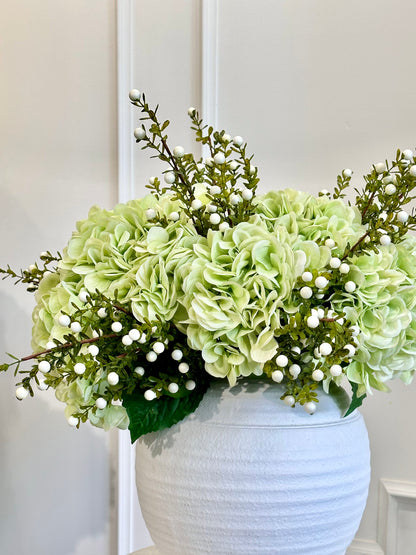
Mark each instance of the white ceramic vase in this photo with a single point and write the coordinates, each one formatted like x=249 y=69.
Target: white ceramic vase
x=247 y=475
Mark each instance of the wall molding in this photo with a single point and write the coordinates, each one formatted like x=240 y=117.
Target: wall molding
x=126 y=484
x=392 y=494
x=365 y=547
x=125 y=33
x=209 y=65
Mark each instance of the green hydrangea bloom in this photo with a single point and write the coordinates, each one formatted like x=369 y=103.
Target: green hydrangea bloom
x=233 y=294
x=383 y=307
x=311 y=218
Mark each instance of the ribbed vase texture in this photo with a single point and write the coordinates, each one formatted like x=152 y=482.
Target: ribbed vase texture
x=247 y=475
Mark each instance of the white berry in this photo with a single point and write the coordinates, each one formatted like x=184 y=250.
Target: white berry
x=139 y=133
x=76 y=327
x=126 y=340
x=134 y=334
x=321 y=282
x=402 y=216
x=158 y=347
x=407 y=154
x=113 y=378
x=64 y=320
x=307 y=277
x=235 y=199
x=238 y=140
x=385 y=240
x=312 y=322
x=173 y=387
x=139 y=370
x=330 y=243
x=282 y=361
x=72 y=421
x=169 y=178
x=183 y=367
x=215 y=219
x=196 y=204
x=224 y=226
x=390 y=189
x=380 y=167
x=317 y=375
x=178 y=151
x=177 y=354
x=215 y=190
x=335 y=263
x=191 y=111
x=277 y=376
x=100 y=403
x=174 y=216
x=289 y=400
x=344 y=268
x=93 y=350
x=306 y=292
x=347 y=172
x=351 y=349
x=44 y=366
x=83 y=296
x=101 y=313
x=350 y=287
x=247 y=194
x=294 y=370
x=151 y=356
x=219 y=158
x=325 y=349
x=190 y=385
x=149 y=395
x=412 y=171
x=21 y=393
x=310 y=407
x=134 y=95
x=116 y=327
x=79 y=368
x=150 y=214
x=335 y=370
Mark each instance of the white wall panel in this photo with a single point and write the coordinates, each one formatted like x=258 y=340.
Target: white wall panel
x=317 y=86
x=58 y=156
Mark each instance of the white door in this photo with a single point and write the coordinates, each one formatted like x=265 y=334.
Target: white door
x=314 y=87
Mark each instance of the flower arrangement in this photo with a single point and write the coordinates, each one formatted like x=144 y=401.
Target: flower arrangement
x=203 y=279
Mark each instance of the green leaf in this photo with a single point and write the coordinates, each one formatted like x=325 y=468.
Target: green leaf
x=150 y=416
x=355 y=401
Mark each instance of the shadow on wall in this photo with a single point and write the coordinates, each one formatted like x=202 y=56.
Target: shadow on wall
x=54 y=480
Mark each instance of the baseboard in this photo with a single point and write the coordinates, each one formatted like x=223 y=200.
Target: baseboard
x=364 y=547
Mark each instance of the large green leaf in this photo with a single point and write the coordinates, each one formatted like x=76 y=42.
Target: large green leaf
x=149 y=416
x=355 y=401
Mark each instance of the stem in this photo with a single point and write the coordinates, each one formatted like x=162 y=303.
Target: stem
x=67 y=345
x=352 y=249
x=370 y=200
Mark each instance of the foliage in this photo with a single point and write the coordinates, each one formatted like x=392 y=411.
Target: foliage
x=204 y=279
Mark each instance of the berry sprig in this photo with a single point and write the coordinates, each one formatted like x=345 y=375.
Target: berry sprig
x=34 y=273
x=106 y=346
x=389 y=187
x=228 y=176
